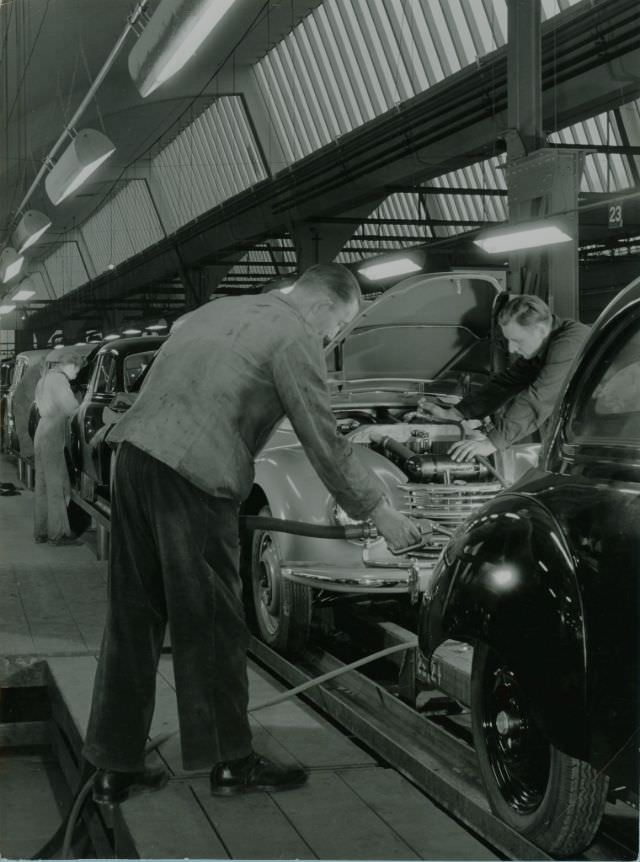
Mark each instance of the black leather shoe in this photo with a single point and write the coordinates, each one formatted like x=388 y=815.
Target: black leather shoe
x=111 y=787
x=254 y=773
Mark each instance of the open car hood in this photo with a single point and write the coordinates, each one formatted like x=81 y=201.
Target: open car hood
x=420 y=329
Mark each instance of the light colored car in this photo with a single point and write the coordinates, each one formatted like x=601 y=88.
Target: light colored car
x=428 y=335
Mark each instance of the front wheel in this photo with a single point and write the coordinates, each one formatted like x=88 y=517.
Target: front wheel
x=282 y=608
x=554 y=800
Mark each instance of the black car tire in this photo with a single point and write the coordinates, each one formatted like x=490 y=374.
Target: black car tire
x=282 y=609
x=555 y=800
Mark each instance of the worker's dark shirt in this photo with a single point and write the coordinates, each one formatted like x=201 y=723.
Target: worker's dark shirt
x=529 y=387
x=220 y=385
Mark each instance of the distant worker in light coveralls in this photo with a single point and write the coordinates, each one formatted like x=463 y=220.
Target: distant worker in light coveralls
x=544 y=347
x=55 y=402
x=220 y=385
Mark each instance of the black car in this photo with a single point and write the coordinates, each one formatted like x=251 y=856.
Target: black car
x=543 y=582
x=118 y=368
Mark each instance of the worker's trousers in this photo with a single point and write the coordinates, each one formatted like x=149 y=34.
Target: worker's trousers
x=53 y=487
x=174 y=558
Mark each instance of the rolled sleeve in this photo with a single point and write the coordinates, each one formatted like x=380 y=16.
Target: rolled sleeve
x=301 y=383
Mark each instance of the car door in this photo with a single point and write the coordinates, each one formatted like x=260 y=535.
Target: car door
x=88 y=420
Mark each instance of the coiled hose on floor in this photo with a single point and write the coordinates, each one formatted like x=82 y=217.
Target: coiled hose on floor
x=64 y=836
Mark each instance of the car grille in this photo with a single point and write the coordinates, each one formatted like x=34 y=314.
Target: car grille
x=449 y=505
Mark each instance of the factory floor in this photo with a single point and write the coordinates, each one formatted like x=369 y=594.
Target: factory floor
x=52 y=606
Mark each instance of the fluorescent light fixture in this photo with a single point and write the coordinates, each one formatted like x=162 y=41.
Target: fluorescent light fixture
x=84 y=155
x=389 y=268
x=10 y=264
x=131 y=331
x=58 y=346
x=516 y=237
x=112 y=336
x=157 y=325
x=171 y=37
x=7 y=309
x=30 y=228
x=23 y=295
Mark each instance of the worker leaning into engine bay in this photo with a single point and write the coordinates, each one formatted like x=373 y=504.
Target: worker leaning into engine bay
x=526 y=392
x=219 y=386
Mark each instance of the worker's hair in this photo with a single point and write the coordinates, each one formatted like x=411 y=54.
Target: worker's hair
x=333 y=279
x=525 y=309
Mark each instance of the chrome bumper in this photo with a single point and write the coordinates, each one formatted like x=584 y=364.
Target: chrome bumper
x=410 y=580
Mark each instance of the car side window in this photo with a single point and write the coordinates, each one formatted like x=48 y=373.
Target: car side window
x=609 y=406
x=134 y=367
x=105 y=379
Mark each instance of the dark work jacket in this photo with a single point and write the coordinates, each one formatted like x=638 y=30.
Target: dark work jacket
x=223 y=381
x=529 y=388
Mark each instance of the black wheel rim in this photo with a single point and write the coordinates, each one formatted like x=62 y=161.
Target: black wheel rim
x=519 y=755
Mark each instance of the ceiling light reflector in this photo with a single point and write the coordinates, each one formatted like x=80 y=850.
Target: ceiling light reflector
x=520 y=237
x=7 y=309
x=84 y=155
x=172 y=36
x=10 y=264
x=23 y=295
x=30 y=228
x=389 y=268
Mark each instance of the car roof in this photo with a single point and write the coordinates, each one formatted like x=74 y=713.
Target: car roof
x=136 y=344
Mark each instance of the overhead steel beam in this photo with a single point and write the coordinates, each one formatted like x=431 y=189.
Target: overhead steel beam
x=606 y=149
x=415 y=222
x=588 y=54
x=445 y=190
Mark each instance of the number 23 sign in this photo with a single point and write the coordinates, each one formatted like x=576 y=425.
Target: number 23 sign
x=615 y=216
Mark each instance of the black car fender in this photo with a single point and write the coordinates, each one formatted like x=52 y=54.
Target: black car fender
x=507 y=578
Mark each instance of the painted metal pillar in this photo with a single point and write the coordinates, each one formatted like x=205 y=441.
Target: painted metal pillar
x=541 y=181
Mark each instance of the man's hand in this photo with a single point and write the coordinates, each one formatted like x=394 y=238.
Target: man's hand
x=430 y=408
x=397 y=530
x=466 y=450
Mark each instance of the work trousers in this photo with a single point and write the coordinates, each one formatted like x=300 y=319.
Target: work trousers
x=53 y=488
x=174 y=558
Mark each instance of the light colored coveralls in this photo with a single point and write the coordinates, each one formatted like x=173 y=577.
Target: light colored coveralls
x=56 y=402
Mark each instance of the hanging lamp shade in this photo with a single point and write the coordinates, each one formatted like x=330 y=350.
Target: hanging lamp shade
x=84 y=155
x=30 y=228
x=170 y=38
x=10 y=264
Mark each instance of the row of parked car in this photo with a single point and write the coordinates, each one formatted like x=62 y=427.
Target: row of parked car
x=539 y=578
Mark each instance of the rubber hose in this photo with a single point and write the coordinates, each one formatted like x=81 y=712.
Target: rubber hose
x=317 y=531
x=82 y=794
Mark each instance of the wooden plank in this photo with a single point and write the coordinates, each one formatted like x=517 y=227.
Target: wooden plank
x=168 y=824
x=308 y=737
x=271 y=835
x=16 y=632
x=336 y=823
x=52 y=627
x=426 y=828
x=14 y=734
x=290 y=732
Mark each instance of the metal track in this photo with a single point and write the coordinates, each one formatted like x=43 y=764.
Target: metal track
x=439 y=763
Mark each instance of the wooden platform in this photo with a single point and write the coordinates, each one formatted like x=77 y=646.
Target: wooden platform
x=52 y=606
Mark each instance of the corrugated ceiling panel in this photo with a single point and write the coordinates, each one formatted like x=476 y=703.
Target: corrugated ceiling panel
x=262 y=264
x=472 y=207
x=124 y=226
x=64 y=268
x=602 y=172
x=349 y=61
x=211 y=160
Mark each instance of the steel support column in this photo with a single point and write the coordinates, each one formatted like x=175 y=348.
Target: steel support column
x=541 y=181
